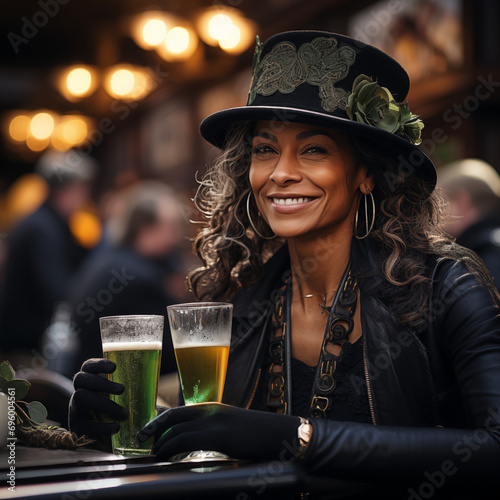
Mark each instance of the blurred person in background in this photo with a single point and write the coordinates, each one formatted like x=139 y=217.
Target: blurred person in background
x=138 y=271
x=472 y=187
x=42 y=254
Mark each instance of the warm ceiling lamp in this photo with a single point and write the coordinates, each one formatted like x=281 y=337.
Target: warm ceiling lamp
x=177 y=40
x=19 y=127
x=154 y=32
x=86 y=227
x=219 y=26
x=42 y=125
x=36 y=144
x=231 y=39
x=180 y=44
x=40 y=129
x=150 y=28
x=70 y=131
x=227 y=28
x=127 y=82
x=24 y=196
x=240 y=37
x=77 y=81
x=122 y=82
x=74 y=130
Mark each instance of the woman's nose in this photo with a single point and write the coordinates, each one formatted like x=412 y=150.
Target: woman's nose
x=285 y=170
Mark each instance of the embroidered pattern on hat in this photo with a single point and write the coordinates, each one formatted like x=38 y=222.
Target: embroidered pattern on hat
x=320 y=63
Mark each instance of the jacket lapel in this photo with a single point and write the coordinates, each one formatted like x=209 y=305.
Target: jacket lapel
x=252 y=312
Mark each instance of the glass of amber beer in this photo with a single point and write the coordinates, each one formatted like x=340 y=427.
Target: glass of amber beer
x=134 y=343
x=201 y=335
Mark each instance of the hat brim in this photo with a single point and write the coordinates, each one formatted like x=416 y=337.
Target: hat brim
x=412 y=160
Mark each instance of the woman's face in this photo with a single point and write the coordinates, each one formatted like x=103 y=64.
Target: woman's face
x=304 y=179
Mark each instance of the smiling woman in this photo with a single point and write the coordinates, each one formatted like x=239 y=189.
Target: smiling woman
x=305 y=181
x=364 y=342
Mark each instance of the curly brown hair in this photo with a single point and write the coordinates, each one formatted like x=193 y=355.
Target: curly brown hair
x=407 y=226
x=231 y=253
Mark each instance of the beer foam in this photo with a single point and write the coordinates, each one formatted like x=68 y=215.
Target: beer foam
x=131 y=346
x=197 y=344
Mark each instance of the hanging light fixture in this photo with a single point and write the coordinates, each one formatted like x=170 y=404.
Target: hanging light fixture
x=70 y=131
x=43 y=128
x=42 y=125
x=18 y=126
x=175 y=39
x=240 y=37
x=227 y=28
x=36 y=144
x=127 y=82
x=180 y=44
x=149 y=29
x=154 y=32
x=77 y=81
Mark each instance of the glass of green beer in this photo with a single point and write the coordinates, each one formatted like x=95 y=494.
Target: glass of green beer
x=201 y=335
x=134 y=343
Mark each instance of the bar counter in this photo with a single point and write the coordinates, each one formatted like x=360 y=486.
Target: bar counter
x=43 y=474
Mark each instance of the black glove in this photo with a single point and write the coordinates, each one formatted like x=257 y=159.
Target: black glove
x=242 y=434
x=91 y=412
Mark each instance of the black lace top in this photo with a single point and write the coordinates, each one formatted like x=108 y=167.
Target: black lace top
x=350 y=398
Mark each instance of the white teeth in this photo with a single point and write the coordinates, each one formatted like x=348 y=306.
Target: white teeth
x=290 y=201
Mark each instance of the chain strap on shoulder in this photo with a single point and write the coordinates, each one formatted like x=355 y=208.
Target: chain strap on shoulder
x=276 y=399
x=339 y=326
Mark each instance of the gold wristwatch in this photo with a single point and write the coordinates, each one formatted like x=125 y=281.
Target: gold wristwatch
x=304 y=433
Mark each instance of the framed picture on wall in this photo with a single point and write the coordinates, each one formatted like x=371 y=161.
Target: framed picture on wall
x=168 y=138
x=424 y=36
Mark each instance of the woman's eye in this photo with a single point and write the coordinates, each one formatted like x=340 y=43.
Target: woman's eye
x=315 y=150
x=262 y=149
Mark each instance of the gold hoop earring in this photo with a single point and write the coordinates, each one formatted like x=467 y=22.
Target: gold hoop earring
x=251 y=221
x=368 y=227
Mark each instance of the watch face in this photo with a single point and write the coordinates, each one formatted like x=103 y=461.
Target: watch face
x=305 y=431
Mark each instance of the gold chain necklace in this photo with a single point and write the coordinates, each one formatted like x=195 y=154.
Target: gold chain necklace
x=323 y=295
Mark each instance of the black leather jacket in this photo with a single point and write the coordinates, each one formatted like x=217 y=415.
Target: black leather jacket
x=434 y=393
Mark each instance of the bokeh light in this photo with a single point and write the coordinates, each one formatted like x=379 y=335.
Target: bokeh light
x=180 y=44
x=86 y=228
x=148 y=29
x=232 y=39
x=177 y=40
x=219 y=27
x=122 y=82
x=19 y=128
x=227 y=28
x=79 y=81
x=128 y=82
x=74 y=130
x=36 y=144
x=24 y=196
x=39 y=129
x=143 y=83
x=154 y=32
x=42 y=125
x=241 y=36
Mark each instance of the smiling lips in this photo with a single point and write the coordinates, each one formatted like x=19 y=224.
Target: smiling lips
x=290 y=201
x=290 y=204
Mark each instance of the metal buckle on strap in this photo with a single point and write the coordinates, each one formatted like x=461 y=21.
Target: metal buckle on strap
x=319 y=404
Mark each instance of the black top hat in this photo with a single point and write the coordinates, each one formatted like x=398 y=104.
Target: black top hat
x=334 y=81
